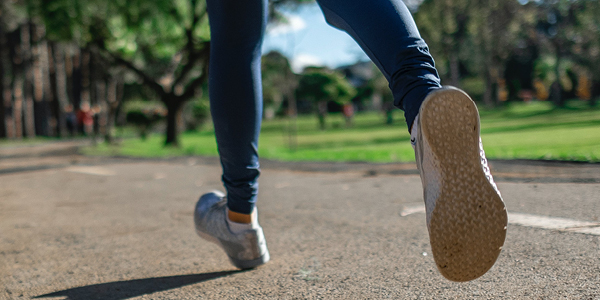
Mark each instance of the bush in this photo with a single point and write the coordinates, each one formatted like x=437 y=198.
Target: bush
x=196 y=114
x=144 y=116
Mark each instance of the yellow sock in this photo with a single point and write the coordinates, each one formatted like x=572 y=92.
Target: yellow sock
x=238 y=217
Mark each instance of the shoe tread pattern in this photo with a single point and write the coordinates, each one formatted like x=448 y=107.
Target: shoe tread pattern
x=468 y=224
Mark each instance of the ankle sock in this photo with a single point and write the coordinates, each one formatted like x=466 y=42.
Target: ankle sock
x=240 y=227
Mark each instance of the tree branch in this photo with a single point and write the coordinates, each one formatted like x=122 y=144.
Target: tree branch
x=175 y=14
x=191 y=88
x=191 y=63
x=192 y=54
x=189 y=32
x=194 y=4
x=149 y=81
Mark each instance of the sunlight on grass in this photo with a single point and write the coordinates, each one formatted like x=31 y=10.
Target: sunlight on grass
x=534 y=130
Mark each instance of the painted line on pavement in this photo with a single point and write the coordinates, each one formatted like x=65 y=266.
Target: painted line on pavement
x=552 y=223
x=412 y=209
x=534 y=221
x=99 y=171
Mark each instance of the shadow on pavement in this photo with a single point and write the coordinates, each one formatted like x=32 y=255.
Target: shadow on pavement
x=119 y=290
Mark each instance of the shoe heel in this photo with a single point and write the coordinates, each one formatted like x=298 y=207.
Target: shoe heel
x=250 y=264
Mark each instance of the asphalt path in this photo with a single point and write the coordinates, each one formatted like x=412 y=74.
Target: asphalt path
x=74 y=227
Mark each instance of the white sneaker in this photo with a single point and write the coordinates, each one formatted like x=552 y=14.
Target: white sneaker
x=246 y=250
x=466 y=216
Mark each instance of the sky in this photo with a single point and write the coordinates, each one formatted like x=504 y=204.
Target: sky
x=308 y=40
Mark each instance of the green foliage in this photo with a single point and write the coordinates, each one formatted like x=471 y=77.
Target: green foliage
x=379 y=85
x=279 y=82
x=199 y=114
x=148 y=28
x=476 y=38
x=165 y=43
x=322 y=85
x=11 y=14
x=144 y=116
x=275 y=7
x=200 y=109
x=587 y=36
x=474 y=86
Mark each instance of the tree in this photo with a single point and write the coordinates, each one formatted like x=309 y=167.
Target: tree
x=279 y=86
x=164 y=43
x=276 y=5
x=496 y=26
x=558 y=24
x=4 y=74
x=586 y=52
x=380 y=87
x=320 y=86
x=279 y=82
x=26 y=66
x=11 y=60
x=444 y=25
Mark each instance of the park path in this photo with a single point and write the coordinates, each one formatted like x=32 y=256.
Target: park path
x=75 y=227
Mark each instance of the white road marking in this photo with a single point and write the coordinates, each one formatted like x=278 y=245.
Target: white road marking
x=413 y=209
x=551 y=223
x=91 y=170
x=589 y=230
x=534 y=221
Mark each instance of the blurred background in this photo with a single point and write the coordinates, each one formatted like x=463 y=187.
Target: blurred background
x=130 y=77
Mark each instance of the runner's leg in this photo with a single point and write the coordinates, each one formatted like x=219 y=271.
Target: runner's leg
x=237 y=29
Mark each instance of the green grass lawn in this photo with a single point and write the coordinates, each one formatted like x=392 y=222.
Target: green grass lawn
x=519 y=131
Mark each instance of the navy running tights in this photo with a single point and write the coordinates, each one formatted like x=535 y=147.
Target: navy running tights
x=384 y=29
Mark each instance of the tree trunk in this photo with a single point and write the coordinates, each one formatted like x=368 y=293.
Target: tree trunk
x=15 y=100
x=556 y=94
x=101 y=89
x=18 y=102
x=62 y=91
x=488 y=93
x=85 y=77
x=97 y=93
x=49 y=90
x=39 y=67
x=595 y=91
x=454 y=70
x=6 y=53
x=388 y=109
x=556 y=87
x=174 y=107
x=54 y=104
x=3 y=76
x=112 y=105
x=73 y=66
x=321 y=113
x=27 y=104
x=293 y=124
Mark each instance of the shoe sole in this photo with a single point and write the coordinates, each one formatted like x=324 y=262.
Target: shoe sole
x=238 y=263
x=250 y=264
x=467 y=227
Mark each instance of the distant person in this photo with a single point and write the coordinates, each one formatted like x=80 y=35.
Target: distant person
x=348 y=112
x=71 y=120
x=466 y=216
x=85 y=119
